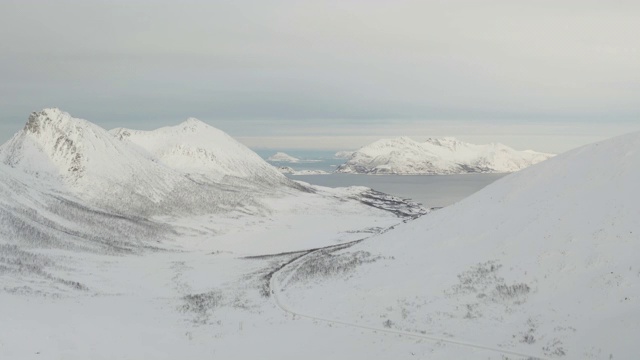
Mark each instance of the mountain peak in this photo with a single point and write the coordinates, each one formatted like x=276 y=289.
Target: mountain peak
x=56 y=144
x=198 y=149
x=52 y=111
x=193 y=124
x=48 y=116
x=447 y=141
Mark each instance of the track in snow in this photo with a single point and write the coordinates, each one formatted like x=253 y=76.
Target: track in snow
x=274 y=289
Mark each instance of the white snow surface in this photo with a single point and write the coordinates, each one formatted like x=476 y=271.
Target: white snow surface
x=198 y=149
x=540 y=264
x=283 y=157
x=405 y=156
x=143 y=173
x=543 y=261
x=99 y=261
x=34 y=222
x=184 y=292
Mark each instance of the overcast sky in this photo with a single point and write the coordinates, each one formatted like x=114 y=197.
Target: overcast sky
x=548 y=75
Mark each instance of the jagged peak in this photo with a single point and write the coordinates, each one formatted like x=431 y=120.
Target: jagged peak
x=54 y=142
x=121 y=133
x=50 y=117
x=52 y=111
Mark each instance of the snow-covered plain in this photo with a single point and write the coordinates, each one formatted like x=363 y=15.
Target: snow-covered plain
x=405 y=156
x=540 y=264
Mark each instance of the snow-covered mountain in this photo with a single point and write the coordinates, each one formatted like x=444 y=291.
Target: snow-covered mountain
x=542 y=262
x=283 y=157
x=33 y=217
x=85 y=157
x=203 y=152
x=138 y=236
x=406 y=156
x=158 y=176
x=343 y=154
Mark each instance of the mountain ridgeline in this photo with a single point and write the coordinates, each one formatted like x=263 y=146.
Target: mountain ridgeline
x=185 y=169
x=405 y=156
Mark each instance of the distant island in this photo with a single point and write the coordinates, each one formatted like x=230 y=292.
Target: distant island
x=443 y=156
x=283 y=157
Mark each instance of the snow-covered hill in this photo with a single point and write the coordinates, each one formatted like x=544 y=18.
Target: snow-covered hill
x=283 y=157
x=159 y=176
x=85 y=158
x=204 y=153
x=343 y=154
x=405 y=156
x=543 y=262
x=35 y=224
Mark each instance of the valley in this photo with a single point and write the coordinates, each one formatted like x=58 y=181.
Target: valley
x=183 y=243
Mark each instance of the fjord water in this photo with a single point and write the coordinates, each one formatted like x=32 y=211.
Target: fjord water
x=309 y=159
x=429 y=190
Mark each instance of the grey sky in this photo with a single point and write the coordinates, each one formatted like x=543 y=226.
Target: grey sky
x=543 y=74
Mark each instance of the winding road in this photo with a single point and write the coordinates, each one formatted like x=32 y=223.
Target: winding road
x=275 y=290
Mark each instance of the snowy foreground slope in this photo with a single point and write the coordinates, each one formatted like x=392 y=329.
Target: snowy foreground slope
x=405 y=156
x=36 y=218
x=542 y=262
x=129 y=247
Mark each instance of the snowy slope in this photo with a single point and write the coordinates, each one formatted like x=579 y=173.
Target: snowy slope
x=34 y=217
x=544 y=261
x=69 y=288
x=204 y=152
x=406 y=156
x=343 y=154
x=83 y=268
x=79 y=158
x=86 y=160
x=191 y=168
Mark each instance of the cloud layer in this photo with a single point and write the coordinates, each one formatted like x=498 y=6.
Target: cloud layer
x=302 y=65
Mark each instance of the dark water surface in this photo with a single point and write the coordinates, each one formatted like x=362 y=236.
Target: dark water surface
x=429 y=190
